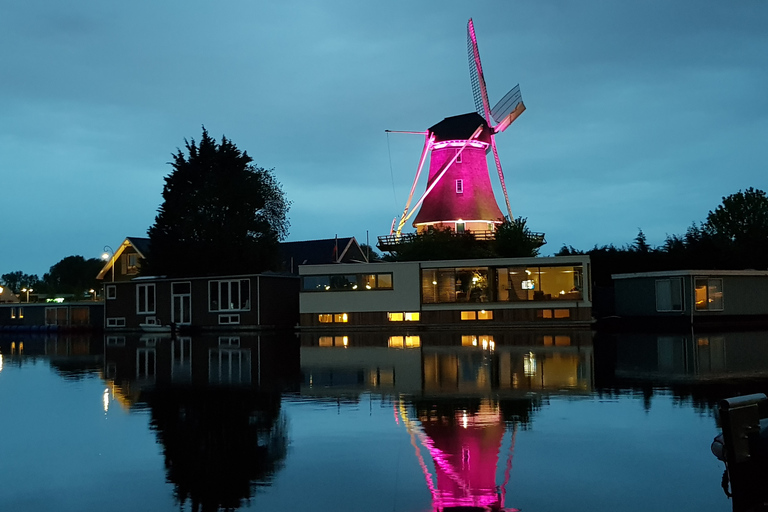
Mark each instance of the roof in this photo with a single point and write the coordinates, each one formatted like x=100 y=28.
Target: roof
x=461 y=128
x=140 y=245
x=681 y=273
x=317 y=252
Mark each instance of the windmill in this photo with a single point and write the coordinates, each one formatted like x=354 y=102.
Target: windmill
x=459 y=194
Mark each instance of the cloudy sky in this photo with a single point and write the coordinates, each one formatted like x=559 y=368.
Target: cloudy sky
x=639 y=114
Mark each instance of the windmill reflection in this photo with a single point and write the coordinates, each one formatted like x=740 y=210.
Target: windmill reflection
x=215 y=407
x=460 y=397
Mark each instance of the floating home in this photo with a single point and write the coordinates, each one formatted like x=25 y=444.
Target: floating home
x=495 y=291
x=691 y=296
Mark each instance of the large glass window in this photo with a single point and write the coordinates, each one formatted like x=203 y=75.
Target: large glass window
x=229 y=295
x=709 y=294
x=346 y=282
x=669 y=294
x=468 y=284
x=515 y=284
x=145 y=298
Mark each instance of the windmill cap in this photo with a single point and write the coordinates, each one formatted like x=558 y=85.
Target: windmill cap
x=461 y=128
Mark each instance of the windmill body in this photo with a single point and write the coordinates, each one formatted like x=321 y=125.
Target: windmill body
x=462 y=199
x=459 y=195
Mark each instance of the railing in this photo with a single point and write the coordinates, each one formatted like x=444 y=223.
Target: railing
x=392 y=242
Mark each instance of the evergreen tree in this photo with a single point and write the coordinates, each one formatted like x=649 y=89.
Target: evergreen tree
x=220 y=215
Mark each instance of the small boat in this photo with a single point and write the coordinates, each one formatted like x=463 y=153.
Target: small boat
x=154 y=325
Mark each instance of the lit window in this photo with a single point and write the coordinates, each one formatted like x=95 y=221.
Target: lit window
x=709 y=294
x=544 y=313
x=384 y=280
x=13 y=312
x=404 y=342
x=340 y=318
x=21 y=312
x=412 y=317
x=562 y=313
x=325 y=318
x=469 y=315
x=395 y=317
x=485 y=315
x=459 y=186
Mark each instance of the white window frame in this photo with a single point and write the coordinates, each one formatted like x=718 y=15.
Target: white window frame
x=145 y=289
x=673 y=281
x=116 y=321
x=229 y=319
x=111 y=291
x=722 y=291
x=459 y=186
x=218 y=283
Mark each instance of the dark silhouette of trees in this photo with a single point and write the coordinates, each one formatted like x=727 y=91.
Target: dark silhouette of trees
x=18 y=280
x=220 y=214
x=515 y=240
x=72 y=275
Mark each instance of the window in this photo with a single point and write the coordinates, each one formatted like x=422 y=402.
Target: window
x=553 y=313
x=709 y=294
x=346 y=282
x=329 y=318
x=115 y=322
x=325 y=318
x=406 y=316
x=458 y=157
x=111 y=291
x=404 y=342
x=340 y=318
x=229 y=341
x=229 y=319
x=486 y=341
x=469 y=315
x=445 y=285
x=669 y=294
x=115 y=341
x=485 y=315
x=13 y=312
x=145 y=298
x=459 y=186
x=132 y=265
x=230 y=295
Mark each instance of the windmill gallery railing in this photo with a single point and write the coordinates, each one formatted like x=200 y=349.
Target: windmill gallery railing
x=393 y=242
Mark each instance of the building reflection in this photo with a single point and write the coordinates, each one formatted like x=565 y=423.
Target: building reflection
x=215 y=405
x=702 y=366
x=461 y=397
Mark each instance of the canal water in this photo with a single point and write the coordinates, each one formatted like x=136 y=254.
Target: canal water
x=561 y=420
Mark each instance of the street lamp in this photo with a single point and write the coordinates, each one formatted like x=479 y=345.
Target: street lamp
x=94 y=293
x=106 y=256
x=27 y=290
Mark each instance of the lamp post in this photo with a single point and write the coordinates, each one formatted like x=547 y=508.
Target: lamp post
x=94 y=294
x=106 y=256
x=27 y=290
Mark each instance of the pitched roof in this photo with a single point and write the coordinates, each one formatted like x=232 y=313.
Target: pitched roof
x=140 y=245
x=318 y=252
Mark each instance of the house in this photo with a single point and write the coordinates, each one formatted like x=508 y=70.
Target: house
x=493 y=291
x=240 y=302
x=688 y=296
x=7 y=295
x=317 y=252
x=125 y=262
x=50 y=316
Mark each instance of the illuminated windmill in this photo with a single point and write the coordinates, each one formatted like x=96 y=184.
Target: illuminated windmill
x=459 y=194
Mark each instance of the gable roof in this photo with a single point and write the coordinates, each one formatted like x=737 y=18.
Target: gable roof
x=318 y=252
x=140 y=245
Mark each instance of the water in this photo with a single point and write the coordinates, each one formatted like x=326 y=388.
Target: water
x=532 y=420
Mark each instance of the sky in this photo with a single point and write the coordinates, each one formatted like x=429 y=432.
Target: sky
x=640 y=115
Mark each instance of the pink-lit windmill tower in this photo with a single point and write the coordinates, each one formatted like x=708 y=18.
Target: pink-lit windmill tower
x=459 y=195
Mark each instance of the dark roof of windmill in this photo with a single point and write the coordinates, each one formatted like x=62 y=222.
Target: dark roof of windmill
x=461 y=128
x=318 y=252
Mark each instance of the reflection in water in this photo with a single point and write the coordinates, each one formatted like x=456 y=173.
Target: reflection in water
x=215 y=404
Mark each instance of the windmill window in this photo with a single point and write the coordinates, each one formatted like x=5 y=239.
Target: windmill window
x=459 y=186
x=458 y=156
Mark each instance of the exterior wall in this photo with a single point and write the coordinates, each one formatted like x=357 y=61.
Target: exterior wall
x=272 y=302
x=371 y=307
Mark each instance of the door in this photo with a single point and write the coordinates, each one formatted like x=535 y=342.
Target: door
x=181 y=303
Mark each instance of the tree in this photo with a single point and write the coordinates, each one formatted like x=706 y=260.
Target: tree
x=220 y=214
x=18 y=280
x=740 y=225
x=370 y=253
x=515 y=240
x=72 y=275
